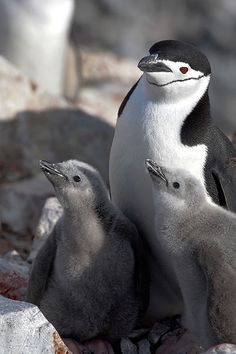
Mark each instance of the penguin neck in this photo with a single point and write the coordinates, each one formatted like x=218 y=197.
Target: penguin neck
x=96 y=208
x=83 y=226
x=177 y=103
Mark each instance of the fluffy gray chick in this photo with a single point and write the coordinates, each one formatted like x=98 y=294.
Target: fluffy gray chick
x=197 y=239
x=89 y=278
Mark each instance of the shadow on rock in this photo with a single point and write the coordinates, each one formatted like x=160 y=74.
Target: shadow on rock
x=54 y=135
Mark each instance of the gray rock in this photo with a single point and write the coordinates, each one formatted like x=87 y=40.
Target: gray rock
x=55 y=135
x=127 y=347
x=34 y=126
x=24 y=330
x=144 y=347
x=21 y=203
x=52 y=211
x=42 y=126
x=222 y=349
x=14 y=273
x=157 y=331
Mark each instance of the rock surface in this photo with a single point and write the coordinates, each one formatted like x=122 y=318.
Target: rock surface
x=24 y=330
x=222 y=349
x=14 y=272
x=52 y=211
x=34 y=126
x=42 y=126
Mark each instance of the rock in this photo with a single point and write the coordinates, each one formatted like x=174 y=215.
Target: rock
x=14 y=274
x=94 y=346
x=38 y=125
x=144 y=347
x=24 y=330
x=102 y=66
x=52 y=211
x=34 y=126
x=157 y=331
x=127 y=347
x=15 y=241
x=21 y=203
x=222 y=349
x=19 y=93
x=105 y=78
x=176 y=343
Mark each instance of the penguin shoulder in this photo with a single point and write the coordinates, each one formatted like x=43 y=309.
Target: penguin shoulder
x=125 y=100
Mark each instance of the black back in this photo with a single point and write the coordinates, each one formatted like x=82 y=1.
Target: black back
x=199 y=129
x=125 y=100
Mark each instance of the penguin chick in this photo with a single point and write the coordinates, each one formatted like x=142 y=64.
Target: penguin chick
x=197 y=238
x=89 y=277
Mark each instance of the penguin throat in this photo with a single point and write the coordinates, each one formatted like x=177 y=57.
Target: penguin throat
x=173 y=81
x=186 y=92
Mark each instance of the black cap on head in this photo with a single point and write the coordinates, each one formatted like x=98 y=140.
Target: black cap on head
x=182 y=51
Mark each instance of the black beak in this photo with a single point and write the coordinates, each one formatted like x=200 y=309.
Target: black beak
x=151 y=63
x=51 y=168
x=155 y=170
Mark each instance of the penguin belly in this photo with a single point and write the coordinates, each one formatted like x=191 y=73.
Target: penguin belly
x=149 y=130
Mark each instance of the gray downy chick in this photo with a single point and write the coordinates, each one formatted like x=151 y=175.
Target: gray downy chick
x=197 y=239
x=89 y=278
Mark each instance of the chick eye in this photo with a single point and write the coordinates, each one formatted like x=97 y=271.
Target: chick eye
x=77 y=178
x=176 y=185
x=183 y=69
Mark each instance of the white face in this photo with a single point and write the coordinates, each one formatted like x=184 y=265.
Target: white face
x=181 y=82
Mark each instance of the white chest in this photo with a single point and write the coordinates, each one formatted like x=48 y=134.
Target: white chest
x=153 y=130
x=162 y=138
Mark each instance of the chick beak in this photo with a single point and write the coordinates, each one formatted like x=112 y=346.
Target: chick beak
x=155 y=170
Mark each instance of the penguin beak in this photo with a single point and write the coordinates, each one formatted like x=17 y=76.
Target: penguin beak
x=51 y=169
x=152 y=64
x=155 y=170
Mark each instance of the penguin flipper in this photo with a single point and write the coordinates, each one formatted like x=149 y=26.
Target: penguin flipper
x=125 y=100
x=226 y=176
x=40 y=271
x=141 y=270
x=224 y=168
x=220 y=275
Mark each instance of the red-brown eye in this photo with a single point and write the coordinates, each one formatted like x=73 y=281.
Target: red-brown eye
x=183 y=69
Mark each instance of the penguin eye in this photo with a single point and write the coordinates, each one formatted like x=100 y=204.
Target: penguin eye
x=77 y=178
x=183 y=69
x=176 y=185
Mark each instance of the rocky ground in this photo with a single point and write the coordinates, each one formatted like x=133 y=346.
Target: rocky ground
x=34 y=126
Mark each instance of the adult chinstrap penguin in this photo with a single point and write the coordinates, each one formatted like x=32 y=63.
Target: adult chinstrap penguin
x=166 y=116
x=89 y=278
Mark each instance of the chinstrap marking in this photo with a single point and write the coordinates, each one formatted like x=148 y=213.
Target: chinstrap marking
x=171 y=82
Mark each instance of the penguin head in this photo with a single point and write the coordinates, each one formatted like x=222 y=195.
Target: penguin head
x=175 y=69
x=178 y=188
x=75 y=183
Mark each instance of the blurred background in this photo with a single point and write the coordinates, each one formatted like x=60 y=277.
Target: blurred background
x=65 y=67
x=65 y=45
